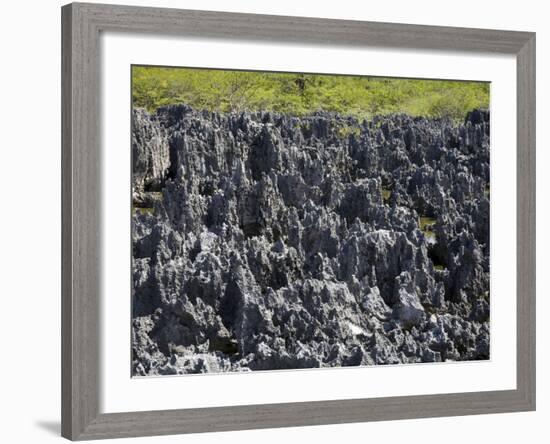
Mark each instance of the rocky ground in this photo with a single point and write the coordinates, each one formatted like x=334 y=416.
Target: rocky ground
x=265 y=241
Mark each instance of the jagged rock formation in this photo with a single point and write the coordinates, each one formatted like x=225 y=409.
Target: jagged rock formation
x=267 y=241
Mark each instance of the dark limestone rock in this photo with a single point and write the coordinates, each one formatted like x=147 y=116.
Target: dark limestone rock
x=265 y=241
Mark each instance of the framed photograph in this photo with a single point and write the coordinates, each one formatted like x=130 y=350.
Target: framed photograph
x=278 y=221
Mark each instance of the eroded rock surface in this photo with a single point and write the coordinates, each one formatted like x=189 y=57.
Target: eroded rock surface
x=266 y=241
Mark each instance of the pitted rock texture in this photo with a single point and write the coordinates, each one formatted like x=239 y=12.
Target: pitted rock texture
x=266 y=241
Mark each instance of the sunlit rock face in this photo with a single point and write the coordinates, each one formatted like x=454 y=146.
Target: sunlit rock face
x=266 y=241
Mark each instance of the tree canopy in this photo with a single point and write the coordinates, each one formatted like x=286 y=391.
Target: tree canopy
x=299 y=94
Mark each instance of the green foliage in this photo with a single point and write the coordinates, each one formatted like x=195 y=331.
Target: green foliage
x=299 y=94
x=386 y=194
x=426 y=222
x=426 y=226
x=345 y=130
x=143 y=210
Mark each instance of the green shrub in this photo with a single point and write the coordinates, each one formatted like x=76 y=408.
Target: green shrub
x=299 y=94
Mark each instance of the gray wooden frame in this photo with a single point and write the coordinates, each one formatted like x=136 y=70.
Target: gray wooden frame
x=81 y=26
